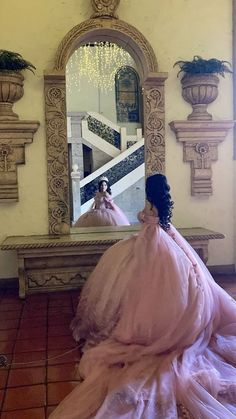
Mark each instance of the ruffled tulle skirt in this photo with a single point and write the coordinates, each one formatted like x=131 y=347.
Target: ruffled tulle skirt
x=102 y=217
x=160 y=335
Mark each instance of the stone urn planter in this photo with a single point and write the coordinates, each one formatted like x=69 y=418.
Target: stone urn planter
x=11 y=90
x=200 y=83
x=199 y=90
x=11 y=82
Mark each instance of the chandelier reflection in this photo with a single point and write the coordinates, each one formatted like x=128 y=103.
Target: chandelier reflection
x=97 y=62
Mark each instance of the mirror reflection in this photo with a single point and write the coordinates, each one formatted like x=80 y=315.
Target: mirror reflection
x=104 y=212
x=105 y=141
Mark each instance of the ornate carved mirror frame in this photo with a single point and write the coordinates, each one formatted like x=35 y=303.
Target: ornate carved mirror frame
x=102 y=26
x=234 y=72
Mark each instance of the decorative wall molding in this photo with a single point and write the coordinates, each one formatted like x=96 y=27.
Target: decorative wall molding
x=128 y=37
x=137 y=45
x=50 y=281
x=14 y=135
x=154 y=122
x=112 y=30
x=57 y=153
x=200 y=147
x=105 y=8
x=234 y=70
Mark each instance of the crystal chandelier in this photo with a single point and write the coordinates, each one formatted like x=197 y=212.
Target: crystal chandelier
x=97 y=62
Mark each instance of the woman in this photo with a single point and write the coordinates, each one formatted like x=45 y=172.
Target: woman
x=104 y=211
x=159 y=333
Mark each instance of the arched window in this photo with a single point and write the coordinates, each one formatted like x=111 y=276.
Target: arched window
x=127 y=95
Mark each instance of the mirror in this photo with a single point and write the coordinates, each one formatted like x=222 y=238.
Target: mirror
x=105 y=136
x=153 y=94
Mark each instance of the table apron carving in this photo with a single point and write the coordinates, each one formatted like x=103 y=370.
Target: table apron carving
x=47 y=263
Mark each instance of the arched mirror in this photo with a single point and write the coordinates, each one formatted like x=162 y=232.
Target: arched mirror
x=104 y=134
x=91 y=133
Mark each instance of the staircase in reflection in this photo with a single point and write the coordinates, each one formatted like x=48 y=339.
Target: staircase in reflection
x=120 y=157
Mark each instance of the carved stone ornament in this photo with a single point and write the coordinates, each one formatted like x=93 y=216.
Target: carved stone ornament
x=200 y=147
x=105 y=8
x=49 y=282
x=114 y=30
x=13 y=137
x=57 y=153
x=14 y=134
x=154 y=123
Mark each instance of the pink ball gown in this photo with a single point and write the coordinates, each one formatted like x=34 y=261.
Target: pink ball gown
x=104 y=213
x=160 y=335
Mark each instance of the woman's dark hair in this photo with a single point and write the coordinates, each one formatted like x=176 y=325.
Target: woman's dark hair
x=157 y=192
x=107 y=183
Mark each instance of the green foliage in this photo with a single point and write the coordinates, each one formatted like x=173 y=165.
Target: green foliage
x=200 y=66
x=12 y=61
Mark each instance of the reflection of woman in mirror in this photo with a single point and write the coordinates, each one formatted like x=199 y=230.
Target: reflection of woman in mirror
x=104 y=211
x=159 y=334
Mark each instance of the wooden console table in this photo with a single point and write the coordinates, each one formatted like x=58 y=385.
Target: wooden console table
x=53 y=263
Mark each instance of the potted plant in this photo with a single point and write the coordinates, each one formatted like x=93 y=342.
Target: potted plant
x=200 y=83
x=11 y=82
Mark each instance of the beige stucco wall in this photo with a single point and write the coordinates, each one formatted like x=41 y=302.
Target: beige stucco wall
x=176 y=29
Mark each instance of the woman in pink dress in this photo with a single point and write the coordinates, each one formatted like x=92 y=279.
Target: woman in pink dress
x=159 y=334
x=104 y=211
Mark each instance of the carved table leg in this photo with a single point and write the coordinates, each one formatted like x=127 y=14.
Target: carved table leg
x=205 y=253
x=201 y=247
x=22 y=276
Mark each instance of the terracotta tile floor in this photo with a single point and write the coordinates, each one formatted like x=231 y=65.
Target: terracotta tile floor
x=33 y=333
